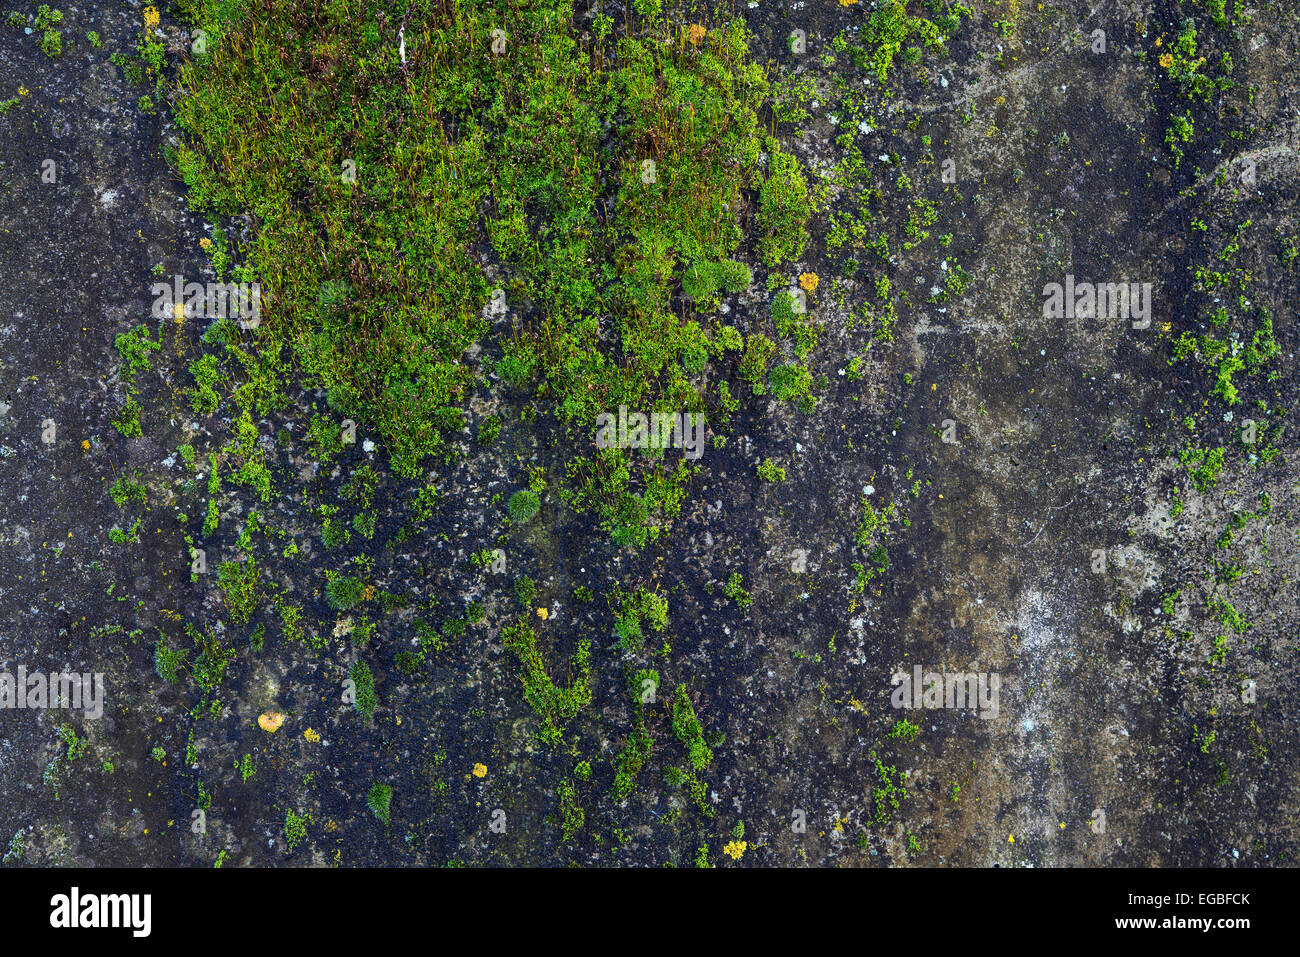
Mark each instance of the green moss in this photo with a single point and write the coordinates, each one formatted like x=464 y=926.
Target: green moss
x=168 y=661
x=345 y=594
x=572 y=817
x=124 y=491
x=552 y=703
x=633 y=608
x=295 y=828
x=790 y=382
x=687 y=728
x=889 y=794
x=759 y=352
x=389 y=351
x=380 y=800
x=490 y=430
x=364 y=698
x=134 y=348
x=735 y=590
x=784 y=208
x=238 y=582
x=525 y=591
x=523 y=506
x=891 y=28
x=904 y=730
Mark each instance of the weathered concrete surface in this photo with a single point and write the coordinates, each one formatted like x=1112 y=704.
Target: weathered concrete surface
x=1064 y=438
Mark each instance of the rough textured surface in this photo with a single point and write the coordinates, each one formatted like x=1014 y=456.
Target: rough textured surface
x=1066 y=434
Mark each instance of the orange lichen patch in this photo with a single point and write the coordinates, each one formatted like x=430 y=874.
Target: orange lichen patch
x=270 y=721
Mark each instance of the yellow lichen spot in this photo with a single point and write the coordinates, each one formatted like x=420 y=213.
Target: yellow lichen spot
x=270 y=721
x=1160 y=40
x=1011 y=839
x=480 y=770
x=22 y=91
x=1062 y=825
x=809 y=281
x=736 y=849
x=151 y=17
x=1167 y=60
x=847 y=3
x=85 y=444
x=696 y=33
x=205 y=243
x=178 y=310
x=312 y=735
x=543 y=614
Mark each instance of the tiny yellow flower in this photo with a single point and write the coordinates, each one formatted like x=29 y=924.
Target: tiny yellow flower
x=1167 y=60
x=736 y=849
x=480 y=770
x=151 y=17
x=696 y=33
x=809 y=281
x=205 y=243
